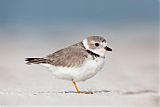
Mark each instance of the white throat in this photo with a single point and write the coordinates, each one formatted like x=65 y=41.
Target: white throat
x=85 y=43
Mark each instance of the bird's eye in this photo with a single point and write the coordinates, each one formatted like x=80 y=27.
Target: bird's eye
x=97 y=44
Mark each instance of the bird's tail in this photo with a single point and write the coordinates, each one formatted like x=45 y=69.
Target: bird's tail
x=35 y=60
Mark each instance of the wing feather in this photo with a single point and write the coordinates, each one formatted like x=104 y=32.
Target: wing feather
x=68 y=57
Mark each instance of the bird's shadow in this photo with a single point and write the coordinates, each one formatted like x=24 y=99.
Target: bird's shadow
x=112 y=92
x=98 y=92
x=93 y=91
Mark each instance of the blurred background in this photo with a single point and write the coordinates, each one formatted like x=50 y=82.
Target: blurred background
x=36 y=28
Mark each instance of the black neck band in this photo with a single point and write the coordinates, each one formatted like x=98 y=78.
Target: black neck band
x=92 y=53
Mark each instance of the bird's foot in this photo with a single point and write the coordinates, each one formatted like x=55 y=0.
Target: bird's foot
x=84 y=92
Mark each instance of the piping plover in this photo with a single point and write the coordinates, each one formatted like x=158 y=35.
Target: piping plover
x=77 y=62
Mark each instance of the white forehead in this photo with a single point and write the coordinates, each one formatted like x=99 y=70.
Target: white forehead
x=104 y=44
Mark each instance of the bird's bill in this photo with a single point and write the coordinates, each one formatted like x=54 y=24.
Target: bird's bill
x=108 y=49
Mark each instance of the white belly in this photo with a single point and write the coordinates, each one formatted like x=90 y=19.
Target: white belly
x=82 y=73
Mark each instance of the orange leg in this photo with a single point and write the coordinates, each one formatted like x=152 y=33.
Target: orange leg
x=77 y=89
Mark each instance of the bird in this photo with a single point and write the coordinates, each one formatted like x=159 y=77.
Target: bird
x=78 y=62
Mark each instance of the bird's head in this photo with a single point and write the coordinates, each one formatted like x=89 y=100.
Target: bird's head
x=96 y=44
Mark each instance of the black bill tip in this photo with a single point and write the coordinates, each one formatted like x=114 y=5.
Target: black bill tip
x=108 y=49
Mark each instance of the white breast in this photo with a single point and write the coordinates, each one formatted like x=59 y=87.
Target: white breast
x=89 y=68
